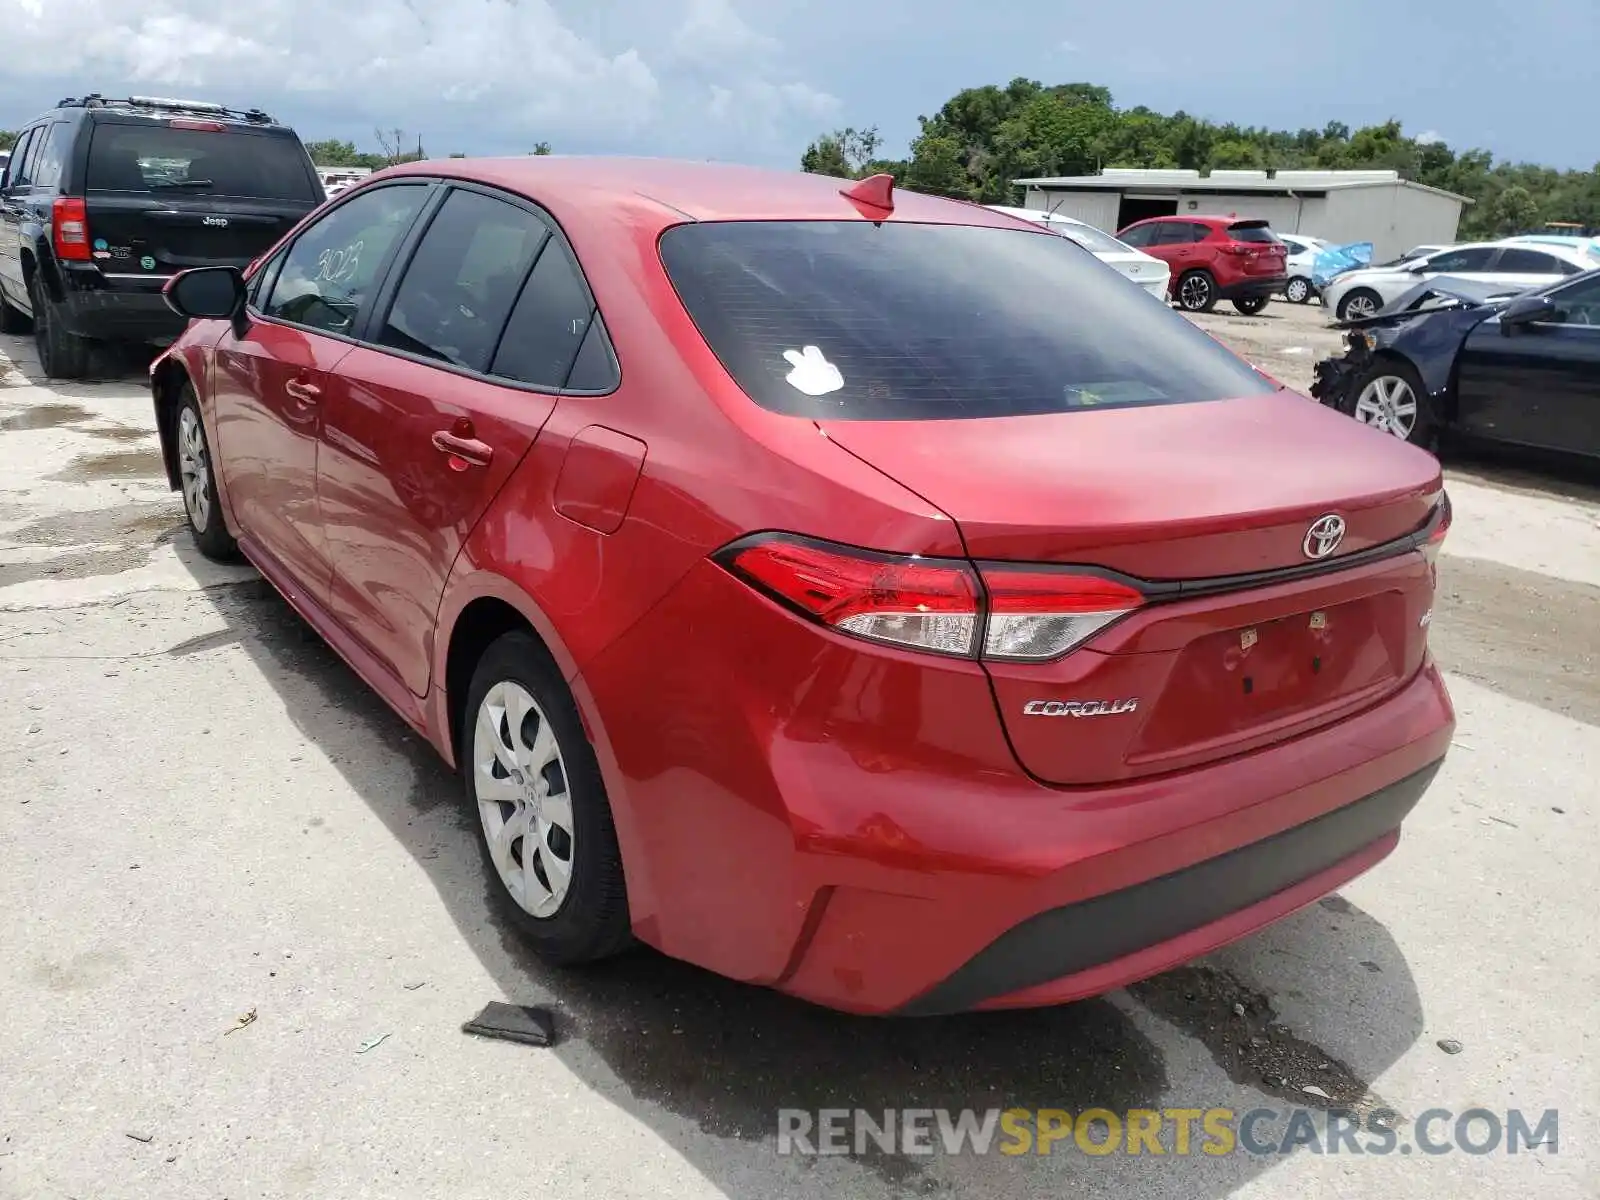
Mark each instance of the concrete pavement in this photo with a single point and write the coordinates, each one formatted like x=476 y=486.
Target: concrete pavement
x=207 y=816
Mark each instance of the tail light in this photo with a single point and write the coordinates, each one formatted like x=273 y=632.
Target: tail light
x=69 y=229
x=1434 y=540
x=942 y=606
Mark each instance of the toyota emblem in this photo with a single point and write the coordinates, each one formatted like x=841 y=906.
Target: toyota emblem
x=1324 y=536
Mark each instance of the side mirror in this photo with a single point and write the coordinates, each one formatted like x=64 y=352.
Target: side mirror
x=1526 y=310
x=206 y=293
x=1419 y=267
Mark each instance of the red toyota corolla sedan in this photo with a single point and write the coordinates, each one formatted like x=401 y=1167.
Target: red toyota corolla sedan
x=853 y=592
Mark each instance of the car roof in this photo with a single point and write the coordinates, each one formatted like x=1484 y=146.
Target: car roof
x=699 y=191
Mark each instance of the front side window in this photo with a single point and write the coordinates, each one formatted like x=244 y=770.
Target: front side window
x=330 y=270
x=1460 y=261
x=900 y=321
x=1578 y=303
x=461 y=284
x=1139 y=235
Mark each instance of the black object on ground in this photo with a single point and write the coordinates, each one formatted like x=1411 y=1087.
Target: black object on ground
x=513 y=1023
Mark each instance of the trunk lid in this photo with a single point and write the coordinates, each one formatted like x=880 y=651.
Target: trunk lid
x=1193 y=496
x=144 y=235
x=1258 y=248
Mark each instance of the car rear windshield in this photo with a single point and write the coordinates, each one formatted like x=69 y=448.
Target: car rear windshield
x=863 y=321
x=173 y=162
x=1257 y=231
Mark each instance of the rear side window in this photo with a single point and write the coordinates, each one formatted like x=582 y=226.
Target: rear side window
x=847 y=319
x=1253 y=233
x=52 y=156
x=547 y=329
x=17 y=168
x=463 y=280
x=1530 y=262
x=171 y=161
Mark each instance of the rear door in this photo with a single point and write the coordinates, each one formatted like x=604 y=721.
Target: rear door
x=460 y=369
x=1530 y=268
x=164 y=195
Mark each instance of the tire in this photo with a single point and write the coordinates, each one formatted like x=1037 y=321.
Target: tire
x=1358 y=298
x=13 y=320
x=1390 y=396
x=198 y=482
x=1196 y=292
x=1298 y=290
x=1250 y=305
x=62 y=354
x=584 y=916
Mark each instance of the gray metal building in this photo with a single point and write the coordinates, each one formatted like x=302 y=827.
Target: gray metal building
x=1393 y=214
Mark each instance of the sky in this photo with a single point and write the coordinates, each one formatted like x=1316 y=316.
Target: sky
x=755 y=80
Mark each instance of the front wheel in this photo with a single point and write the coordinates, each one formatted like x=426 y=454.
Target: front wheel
x=1298 y=290
x=1197 y=292
x=198 y=482
x=1391 y=398
x=1359 y=304
x=1250 y=305
x=548 y=839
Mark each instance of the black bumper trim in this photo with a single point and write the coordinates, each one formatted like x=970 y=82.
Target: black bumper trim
x=1064 y=941
x=1254 y=289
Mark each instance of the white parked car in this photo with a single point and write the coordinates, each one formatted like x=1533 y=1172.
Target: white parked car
x=1303 y=251
x=1516 y=265
x=1149 y=272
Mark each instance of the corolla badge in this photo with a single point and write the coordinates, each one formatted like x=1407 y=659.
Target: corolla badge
x=1078 y=708
x=1324 y=536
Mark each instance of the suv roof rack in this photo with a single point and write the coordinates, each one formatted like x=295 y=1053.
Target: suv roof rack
x=166 y=104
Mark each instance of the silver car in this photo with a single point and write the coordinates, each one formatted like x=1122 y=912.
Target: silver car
x=1517 y=265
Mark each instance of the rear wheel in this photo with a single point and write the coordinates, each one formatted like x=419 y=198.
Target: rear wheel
x=1391 y=398
x=1361 y=303
x=13 y=320
x=1250 y=305
x=547 y=834
x=1298 y=290
x=62 y=354
x=1197 y=291
x=198 y=482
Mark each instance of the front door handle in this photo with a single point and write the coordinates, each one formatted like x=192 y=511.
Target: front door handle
x=306 y=393
x=464 y=451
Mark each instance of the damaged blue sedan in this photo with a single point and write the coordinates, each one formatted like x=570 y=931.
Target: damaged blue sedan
x=1459 y=357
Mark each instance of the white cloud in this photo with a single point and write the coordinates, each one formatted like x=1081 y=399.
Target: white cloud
x=479 y=75
x=1430 y=137
x=374 y=57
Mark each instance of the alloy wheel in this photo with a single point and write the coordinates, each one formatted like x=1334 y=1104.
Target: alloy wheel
x=520 y=783
x=1359 y=307
x=1194 y=293
x=1389 y=404
x=194 y=470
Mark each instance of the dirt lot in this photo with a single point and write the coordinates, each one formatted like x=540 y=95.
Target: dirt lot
x=244 y=919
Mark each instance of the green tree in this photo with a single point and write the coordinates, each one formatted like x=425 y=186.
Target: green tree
x=1515 y=210
x=845 y=153
x=540 y=148
x=8 y=138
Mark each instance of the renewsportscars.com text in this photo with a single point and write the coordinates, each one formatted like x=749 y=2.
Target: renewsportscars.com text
x=1172 y=1131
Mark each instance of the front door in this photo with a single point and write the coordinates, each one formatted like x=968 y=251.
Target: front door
x=1541 y=386
x=270 y=385
x=429 y=422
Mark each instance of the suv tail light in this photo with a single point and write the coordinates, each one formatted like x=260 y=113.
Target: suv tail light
x=942 y=606
x=69 y=229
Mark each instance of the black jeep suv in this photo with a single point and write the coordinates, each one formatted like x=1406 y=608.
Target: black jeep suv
x=104 y=200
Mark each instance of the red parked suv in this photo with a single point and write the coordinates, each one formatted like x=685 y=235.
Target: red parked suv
x=1215 y=258
x=858 y=593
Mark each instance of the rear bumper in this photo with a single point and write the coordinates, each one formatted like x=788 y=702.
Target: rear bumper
x=850 y=826
x=117 y=308
x=1253 y=287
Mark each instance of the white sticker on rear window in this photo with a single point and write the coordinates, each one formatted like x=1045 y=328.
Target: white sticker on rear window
x=813 y=374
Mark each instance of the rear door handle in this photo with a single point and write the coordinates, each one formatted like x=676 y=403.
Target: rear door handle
x=306 y=393
x=467 y=450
